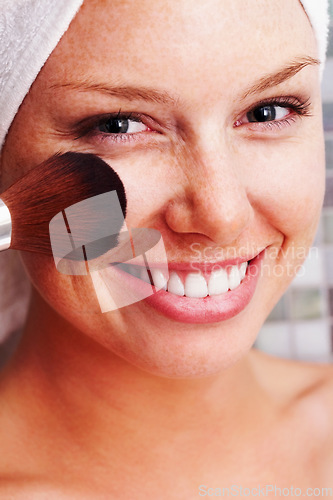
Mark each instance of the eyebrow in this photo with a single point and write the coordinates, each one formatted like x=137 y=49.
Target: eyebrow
x=128 y=92
x=283 y=74
x=132 y=93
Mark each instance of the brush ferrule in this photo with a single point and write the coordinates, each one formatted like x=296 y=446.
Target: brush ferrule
x=5 y=226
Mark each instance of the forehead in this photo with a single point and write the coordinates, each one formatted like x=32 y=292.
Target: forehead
x=183 y=42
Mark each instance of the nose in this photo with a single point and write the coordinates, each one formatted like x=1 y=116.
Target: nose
x=211 y=199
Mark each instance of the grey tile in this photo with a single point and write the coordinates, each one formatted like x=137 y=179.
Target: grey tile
x=330 y=44
x=330 y=299
x=328 y=201
x=313 y=340
x=326 y=84
x=279 y=313
x=329 y=153
x=310 y=274
x=275 y=338
x=307 y=304
x=328 y=116
x=328 y=227
x=329 y=266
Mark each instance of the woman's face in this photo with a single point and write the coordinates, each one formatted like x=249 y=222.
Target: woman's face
x=216 y=153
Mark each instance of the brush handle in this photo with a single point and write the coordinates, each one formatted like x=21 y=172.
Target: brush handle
x=5 y=226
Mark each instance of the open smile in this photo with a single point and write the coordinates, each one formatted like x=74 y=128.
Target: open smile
x=202 y=296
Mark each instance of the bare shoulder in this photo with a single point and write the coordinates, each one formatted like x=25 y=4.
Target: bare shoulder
x=301 y=394
x=303 y=389
x=294 y=380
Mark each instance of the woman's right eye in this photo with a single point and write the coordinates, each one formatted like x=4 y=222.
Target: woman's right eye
x=121 y=125
x=115 y=128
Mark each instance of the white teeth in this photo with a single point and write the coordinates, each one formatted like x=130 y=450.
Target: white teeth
x=195 y=285
x=175 y=284
x=242 y=270
x=218 y=282
x=159 y=279
x=234 y=278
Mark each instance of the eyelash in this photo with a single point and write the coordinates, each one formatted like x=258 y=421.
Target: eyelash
x=91 y=128
x=298 y=106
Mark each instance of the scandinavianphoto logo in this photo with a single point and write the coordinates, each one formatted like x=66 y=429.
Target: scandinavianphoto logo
x=268 y=490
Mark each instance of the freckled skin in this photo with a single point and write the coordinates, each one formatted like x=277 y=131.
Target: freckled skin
x=197 y=179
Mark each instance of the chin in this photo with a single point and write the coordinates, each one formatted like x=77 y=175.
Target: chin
x=191 y=353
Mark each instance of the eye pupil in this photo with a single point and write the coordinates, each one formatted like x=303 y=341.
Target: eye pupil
x=262 y=114
x=115 y=126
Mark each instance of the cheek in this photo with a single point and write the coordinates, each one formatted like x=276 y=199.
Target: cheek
x=74 y=300
x=70 y=296
x=80 y=300
x=150 y=181
x=289 y=189
x=288 y=193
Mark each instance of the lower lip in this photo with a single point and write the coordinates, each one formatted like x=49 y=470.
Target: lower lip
x=210 y=309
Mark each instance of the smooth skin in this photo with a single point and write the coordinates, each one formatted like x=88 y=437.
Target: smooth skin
x=131 y=404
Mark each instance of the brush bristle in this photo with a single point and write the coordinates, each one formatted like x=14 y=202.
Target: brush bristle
x=51 y=187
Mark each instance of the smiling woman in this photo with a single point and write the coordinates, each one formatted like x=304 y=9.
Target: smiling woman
x=213 y=123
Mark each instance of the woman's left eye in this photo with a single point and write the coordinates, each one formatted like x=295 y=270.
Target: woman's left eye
x=267 y=113
x=277 y=113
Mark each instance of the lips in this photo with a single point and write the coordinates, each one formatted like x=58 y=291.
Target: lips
x=208 y=309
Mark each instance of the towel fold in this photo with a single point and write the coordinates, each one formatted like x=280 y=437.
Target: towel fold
x=318 y=14
x=29 y=31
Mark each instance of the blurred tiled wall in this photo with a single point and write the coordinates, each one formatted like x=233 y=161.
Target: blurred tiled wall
x=301 y=325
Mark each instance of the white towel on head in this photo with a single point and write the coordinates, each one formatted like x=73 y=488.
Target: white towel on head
x=29 y=31
x=318 y=14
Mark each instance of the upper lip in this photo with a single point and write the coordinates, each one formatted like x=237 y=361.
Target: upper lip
x=209 y=266
x=202 y=266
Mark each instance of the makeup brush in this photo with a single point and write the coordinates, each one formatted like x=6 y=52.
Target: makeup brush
x=28 y=206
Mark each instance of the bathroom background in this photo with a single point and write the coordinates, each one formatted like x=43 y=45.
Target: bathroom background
x=301 y=325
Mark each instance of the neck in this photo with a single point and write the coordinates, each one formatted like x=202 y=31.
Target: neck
x=84 y=386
